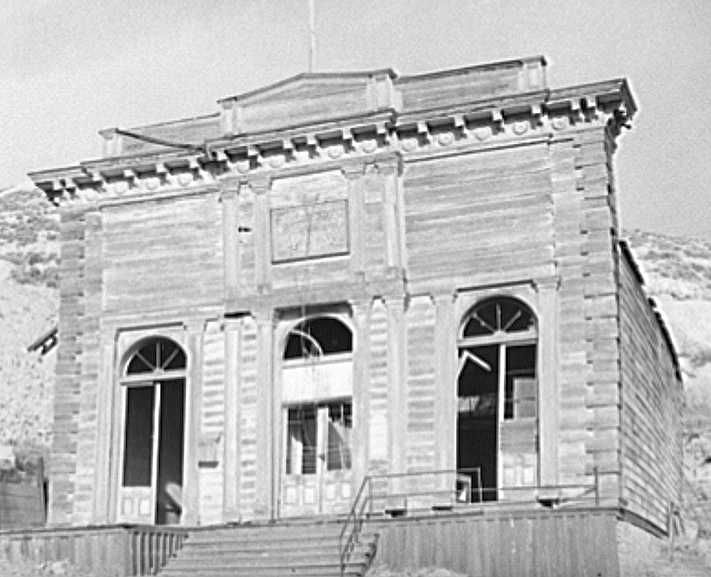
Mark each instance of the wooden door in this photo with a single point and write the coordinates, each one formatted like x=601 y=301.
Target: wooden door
x=141 y=414
x=317 y=474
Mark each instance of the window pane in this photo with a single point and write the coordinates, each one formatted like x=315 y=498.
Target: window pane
x=340 y=424
x=301 y=440
x=520 y=399
x=138 y=448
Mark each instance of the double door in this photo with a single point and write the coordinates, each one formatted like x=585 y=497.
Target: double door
x=317 y=458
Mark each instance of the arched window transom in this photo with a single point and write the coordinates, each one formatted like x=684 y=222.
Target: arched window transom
x=318 y=337
x=498 y=316
x=156 y=355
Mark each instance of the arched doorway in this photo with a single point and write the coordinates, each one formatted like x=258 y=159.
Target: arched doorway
x=317 y=390
x=497 y=424
x=153 y=397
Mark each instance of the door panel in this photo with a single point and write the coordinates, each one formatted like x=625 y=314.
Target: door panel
x=317 y=476
x=136 y=491
x=170 y=452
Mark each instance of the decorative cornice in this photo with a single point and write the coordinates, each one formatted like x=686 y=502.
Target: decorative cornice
x=357 y=139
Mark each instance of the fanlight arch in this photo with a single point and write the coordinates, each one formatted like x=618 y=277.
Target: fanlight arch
x=154 y=356
x=497 y=316
x=316 y=337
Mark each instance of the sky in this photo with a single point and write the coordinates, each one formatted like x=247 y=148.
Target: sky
x=71 y=67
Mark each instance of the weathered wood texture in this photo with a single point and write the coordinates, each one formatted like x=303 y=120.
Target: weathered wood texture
x=652 y=396
x=90 y=361
x=479 y=219
x=113 y=551
x=588 y=330
x=248 y=417
x=164 y=254
x=21 y=504
x=211 y=440
x=520 y=544
x=407 y=217
x=67 y=395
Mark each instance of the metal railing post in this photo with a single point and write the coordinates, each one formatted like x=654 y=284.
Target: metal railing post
x=370 y=498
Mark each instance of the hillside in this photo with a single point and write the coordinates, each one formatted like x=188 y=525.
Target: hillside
x=28 y=308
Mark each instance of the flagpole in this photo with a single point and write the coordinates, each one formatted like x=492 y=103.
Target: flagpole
x=312 y=35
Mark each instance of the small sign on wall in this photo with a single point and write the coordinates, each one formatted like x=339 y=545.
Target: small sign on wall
x=309 y=231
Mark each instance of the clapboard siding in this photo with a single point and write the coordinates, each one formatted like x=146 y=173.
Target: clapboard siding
x=421 y=388
x=652 y=396
x=213 y=380
x=378 y=441
x=248 y=418
x=476 y=214
x=162 y=254
x=67 y=395
x=468 y=84
x=90 y=325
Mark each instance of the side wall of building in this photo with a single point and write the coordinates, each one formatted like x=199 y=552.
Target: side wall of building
x=652 y=398
x=71 y=469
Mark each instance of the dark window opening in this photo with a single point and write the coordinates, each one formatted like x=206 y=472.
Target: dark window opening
x=318 y=337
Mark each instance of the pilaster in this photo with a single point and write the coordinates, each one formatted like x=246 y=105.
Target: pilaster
x=396 y=379
x=356 y=214
x=191 y=495
x=231 y=248
x=264 y=498
x=262 y=233
x=445 y=365
x=361 y=389
x=231 y=458
x=549 y=400
x=389 y=169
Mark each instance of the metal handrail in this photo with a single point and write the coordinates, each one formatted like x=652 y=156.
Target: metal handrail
x=346 y=550
x=356 y=516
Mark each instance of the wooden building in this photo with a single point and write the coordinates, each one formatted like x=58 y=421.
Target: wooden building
x=361 y=273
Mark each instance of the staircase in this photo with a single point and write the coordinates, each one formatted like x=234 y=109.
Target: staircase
x=273 y=550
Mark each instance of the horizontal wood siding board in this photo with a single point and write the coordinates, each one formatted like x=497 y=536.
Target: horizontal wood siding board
x=651 y=407
x=162 y=253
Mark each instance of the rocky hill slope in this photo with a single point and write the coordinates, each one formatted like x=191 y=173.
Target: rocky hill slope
x=28 y=308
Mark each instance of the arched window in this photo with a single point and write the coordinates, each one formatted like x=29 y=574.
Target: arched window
x=497 y=396
x=153 y=382
x=316 y=391
x=156 y=355
x=497 y=316
x=318 y=337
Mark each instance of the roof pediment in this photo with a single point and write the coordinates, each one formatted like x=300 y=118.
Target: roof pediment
x=310 y=98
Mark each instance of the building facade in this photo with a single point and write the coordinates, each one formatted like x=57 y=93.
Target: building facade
x=351 y=274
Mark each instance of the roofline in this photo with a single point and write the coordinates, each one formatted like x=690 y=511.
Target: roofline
x=462 y=69
x=652 y=303
x=349 y=74
x=108 y=131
